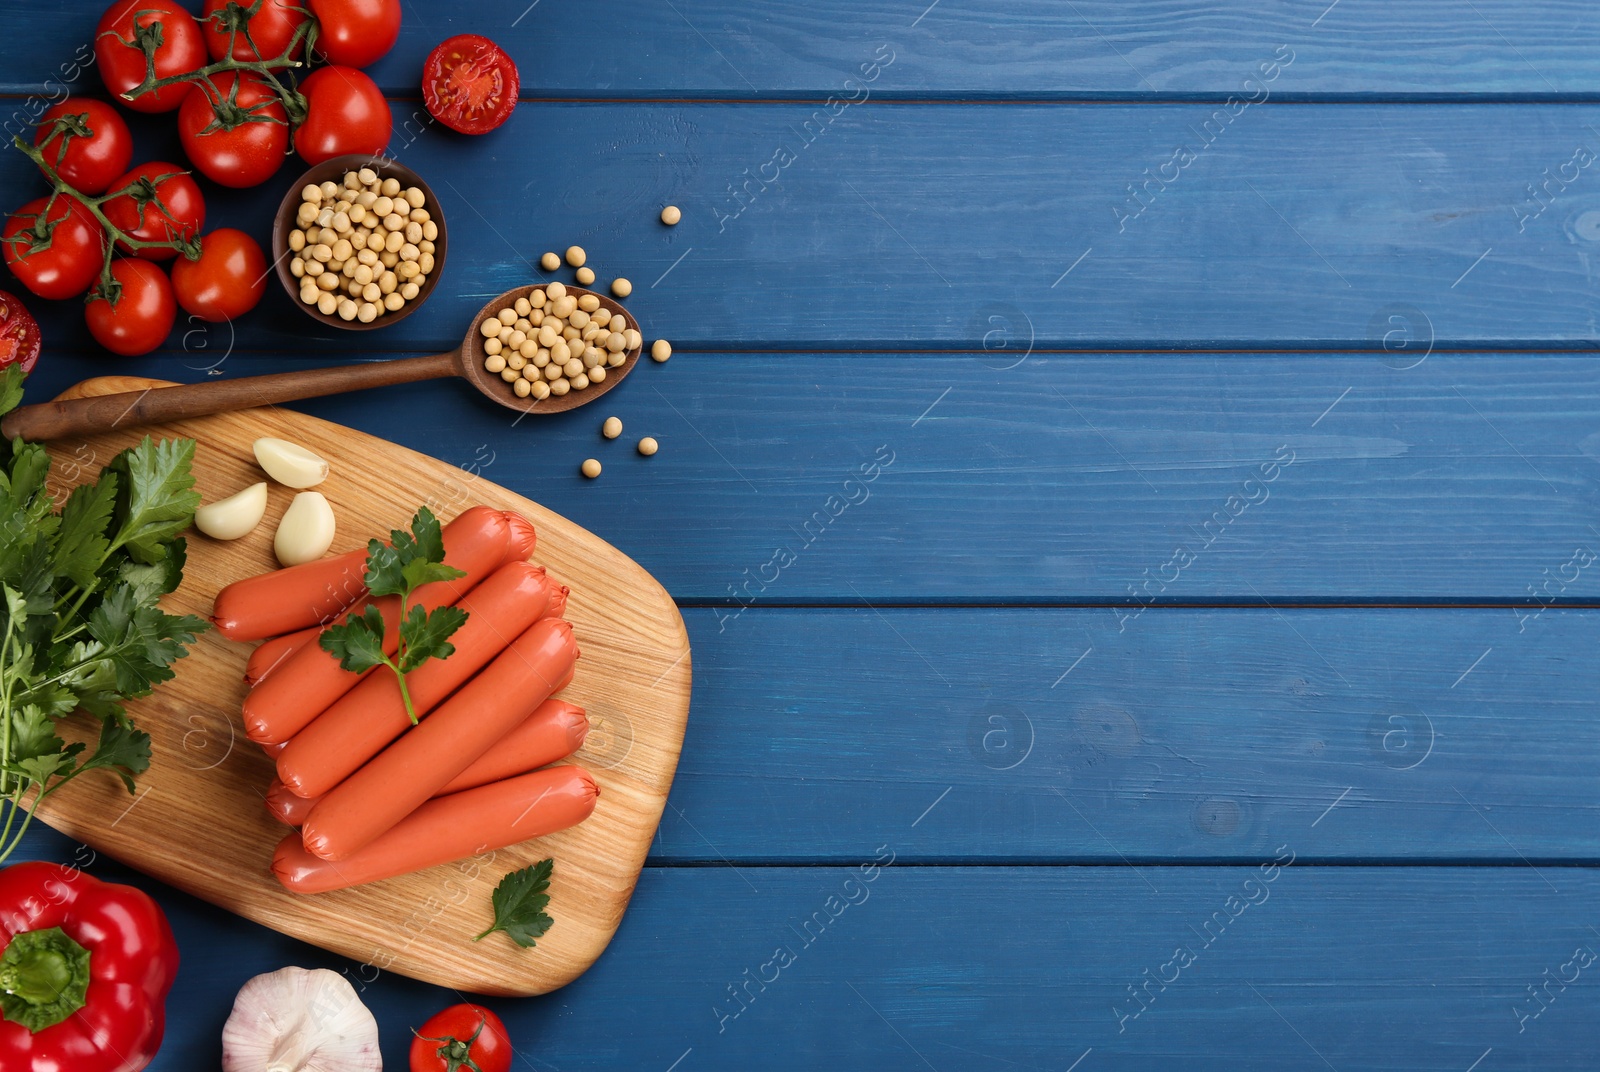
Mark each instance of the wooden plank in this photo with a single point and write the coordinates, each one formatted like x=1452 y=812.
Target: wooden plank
x=1069 y=478
x=1008 y=49
x=1187 y=734
x=982 y=968
x=202 y=827
x=909 y=227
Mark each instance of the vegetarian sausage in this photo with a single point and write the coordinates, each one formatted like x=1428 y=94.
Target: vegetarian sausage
x=479 y=820
x=311 y=679
x=288 y=600
x=270 y=654
x=426 y=757
x=555 y=731
x=358 y=725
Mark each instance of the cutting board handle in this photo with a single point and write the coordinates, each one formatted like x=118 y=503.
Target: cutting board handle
x=87 y=416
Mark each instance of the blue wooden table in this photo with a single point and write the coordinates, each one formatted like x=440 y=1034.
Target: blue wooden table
x=1130 y=471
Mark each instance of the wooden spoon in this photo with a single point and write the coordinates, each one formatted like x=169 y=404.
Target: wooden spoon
x=86 y=416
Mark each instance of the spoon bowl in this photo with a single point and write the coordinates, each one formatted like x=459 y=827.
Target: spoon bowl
x=471 y=358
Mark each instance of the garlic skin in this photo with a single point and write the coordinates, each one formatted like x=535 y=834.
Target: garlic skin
x=290 y=464
x=306 y=530
x=299 y=1020
x=235 y=516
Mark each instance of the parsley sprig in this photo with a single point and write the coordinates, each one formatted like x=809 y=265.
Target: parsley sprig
x=519 y=903
x=81 y=628
x=407 y=562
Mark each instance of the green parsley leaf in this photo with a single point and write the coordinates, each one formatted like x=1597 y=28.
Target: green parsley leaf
x=81 y=542
x=122 y=750
x=519 y=904
x=11 y=388
x=385 y=567
x=33 y=733
x=155 y=496
x=407 y=562
x=140 y=640
x=152 y=581
x=429 y=535
x=358 y=642
x=425 y=635
x=420 y=571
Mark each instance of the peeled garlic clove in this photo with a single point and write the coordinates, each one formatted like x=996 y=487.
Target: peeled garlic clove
x=238 y=514
x=290 y=464
x=306 y=531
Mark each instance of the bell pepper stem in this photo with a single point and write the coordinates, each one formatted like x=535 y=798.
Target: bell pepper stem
x=44 y=978
x=36 y=977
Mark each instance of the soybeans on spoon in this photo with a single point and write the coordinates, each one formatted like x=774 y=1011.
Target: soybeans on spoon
x=86 y=416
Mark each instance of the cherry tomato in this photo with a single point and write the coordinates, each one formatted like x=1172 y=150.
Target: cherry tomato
x=460 y=1032
x=469 y=84
x=345 y=113
x=55 y=255
x=90 y=145
x=262 y=36
x=156 y=209
x=234 y=129
x=227 y=280
x=136 y=318
x=356 y=33
x=19 y=333
x=121 y=57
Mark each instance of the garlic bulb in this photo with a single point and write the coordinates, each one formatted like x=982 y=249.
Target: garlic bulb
x=305 y=532
x=290 y=464
x=233 y=517
x=295 y=1020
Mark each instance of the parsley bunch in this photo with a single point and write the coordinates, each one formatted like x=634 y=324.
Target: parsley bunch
x=407 y=562
x=81 y=628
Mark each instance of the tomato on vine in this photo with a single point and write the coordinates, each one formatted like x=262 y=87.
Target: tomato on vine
x=226 y=281
x=462 y=1037
x=345 y=113
x=86 y=141
x=356 y=33
x=54 y=246
x=161 y=203
x=262 y=30
x=136 y=37
x=133 y=312
x=19 y=333
x=234 y=128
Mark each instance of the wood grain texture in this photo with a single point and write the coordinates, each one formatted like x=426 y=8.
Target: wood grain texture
x=1005 y=49
x=1051 y=736
x=198 y=822
x=991 y=968
x=907 y=227
x=1069 y=478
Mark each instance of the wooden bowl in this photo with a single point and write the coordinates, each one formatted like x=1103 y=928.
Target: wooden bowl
x=335 y=170
x=472 y=357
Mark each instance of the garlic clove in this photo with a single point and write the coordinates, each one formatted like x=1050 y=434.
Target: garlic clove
x=306 y=530
x=299 y=1020
x=233 y=517
x=290 y=464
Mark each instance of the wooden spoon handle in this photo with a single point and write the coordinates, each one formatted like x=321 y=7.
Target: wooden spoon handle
x=86 y=416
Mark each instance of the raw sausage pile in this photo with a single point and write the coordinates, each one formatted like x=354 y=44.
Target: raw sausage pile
x=374 y=796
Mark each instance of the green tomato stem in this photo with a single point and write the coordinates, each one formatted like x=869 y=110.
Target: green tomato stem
x=59 y=186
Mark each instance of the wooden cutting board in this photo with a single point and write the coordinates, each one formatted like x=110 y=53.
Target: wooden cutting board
x=197 y=821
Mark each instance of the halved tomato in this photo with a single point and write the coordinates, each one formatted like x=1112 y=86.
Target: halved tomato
x=469 y=84
x=19 y=333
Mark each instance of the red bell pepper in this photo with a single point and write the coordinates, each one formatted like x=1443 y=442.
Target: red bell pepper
x=84 y=972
